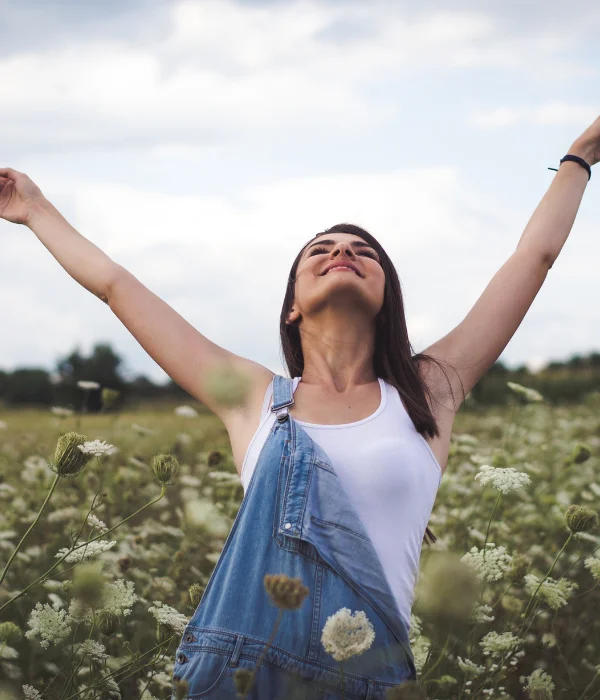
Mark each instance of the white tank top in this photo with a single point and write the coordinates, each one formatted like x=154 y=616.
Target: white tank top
x=390 y=474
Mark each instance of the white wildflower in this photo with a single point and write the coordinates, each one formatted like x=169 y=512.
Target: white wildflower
x=93 y=649
x=111 y=689
x=3 y=425
x=141 y=430
x=469 y=668
x=119 y=597
x=505 y=479
x=593 y=564
x=528 y=393
x=52 y=624
x=30 y=693
x=167 y=615
x=415 y=626
x=96 y=447
x=96 y=524
x=420 y=650
x=91 y=550
x=481 y=613
x=555 y=592
x=60 y=514
x=345 y=635
x=62 y=412
x=36 y=470
x=88 y=385
x=491 y=565
x=539 y=685
x=186 y=411
x=495 y=644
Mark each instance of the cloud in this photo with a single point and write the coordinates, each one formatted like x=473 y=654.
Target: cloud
x=199 y=73
x=549 y=114
x=222 y=262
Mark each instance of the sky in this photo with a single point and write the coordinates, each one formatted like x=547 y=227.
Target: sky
x=200 y=144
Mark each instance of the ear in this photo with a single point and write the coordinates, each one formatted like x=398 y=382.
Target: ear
x=293 y=316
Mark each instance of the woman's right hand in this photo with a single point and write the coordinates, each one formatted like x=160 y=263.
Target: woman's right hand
x=18 y=196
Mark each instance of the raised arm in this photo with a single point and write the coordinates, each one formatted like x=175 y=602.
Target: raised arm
x=185 y=354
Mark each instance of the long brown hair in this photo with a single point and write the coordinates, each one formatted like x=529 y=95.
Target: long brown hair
x=393 y=359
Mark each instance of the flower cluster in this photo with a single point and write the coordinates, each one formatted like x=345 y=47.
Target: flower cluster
x=555 y=593
x=503 y=479
x=490 y=565
x=345 y=635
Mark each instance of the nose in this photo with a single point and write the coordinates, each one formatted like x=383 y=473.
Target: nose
x=343 y=248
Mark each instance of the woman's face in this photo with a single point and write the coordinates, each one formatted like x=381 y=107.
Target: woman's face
x=358 y=290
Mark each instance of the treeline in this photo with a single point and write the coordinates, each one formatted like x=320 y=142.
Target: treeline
x=558 y=382
x=33 y=387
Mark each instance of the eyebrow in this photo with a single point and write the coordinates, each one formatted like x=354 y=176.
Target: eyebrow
x=329 y=241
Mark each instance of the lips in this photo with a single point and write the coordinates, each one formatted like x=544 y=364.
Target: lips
x=347 y=265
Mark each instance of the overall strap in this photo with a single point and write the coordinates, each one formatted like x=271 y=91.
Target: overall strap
x=282 y=396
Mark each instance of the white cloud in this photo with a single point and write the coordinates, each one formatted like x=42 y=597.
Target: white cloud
x=224 y=68
x=223 y=262
x=550 y=114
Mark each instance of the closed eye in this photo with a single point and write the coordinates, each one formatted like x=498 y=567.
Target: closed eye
x=318 y=250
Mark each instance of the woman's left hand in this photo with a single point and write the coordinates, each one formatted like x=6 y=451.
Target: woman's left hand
x=587 y=146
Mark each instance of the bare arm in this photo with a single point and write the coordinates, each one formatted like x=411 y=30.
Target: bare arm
x=83 y=260
x=183 y=353
x=186 y=355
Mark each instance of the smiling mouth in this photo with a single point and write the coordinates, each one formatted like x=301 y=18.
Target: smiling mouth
x=342 y=267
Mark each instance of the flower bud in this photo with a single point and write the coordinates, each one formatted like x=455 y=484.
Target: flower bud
x=446 y=592
x=214 y=458
x=227 y=386
x=9 y=632
x=88 y=584
x=287 y=593
x=196 y=590
x=107 y=622
x=69 y=460
x=500 y=459
x=518 y=568
x=581 y=518
x=581 y=453
x=408 y=690
x=181 y=688
x=242 y=678
x=109 y=397
x=164 y=467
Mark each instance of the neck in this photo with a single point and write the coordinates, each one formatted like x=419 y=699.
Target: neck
x=338 y=350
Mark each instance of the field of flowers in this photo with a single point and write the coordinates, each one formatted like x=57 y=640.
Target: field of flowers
x=111 y=523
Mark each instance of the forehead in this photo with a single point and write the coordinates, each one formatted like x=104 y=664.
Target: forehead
x=336 y=237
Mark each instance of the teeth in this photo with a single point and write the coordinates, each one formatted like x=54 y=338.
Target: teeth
x=341 y=267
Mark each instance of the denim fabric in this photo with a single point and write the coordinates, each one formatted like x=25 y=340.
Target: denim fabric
x=295 y=519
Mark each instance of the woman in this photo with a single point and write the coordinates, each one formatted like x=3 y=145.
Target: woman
x=339 y=479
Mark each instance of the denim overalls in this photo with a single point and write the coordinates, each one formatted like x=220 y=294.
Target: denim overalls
x=295 y=519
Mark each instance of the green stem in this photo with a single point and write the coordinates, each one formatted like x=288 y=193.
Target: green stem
x=264 y=651
x=80 y=663
x=342 y=673
x=490 y=522
x=102 y=534
x=545 y=577
x=123 y=668
x=14 y=554
x=423 y=677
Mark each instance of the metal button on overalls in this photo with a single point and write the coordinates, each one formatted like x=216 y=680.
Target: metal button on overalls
x=293 y=484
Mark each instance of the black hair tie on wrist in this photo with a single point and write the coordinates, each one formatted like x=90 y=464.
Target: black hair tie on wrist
x=577 y=159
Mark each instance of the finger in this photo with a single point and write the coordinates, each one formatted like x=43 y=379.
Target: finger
x=8 y=172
